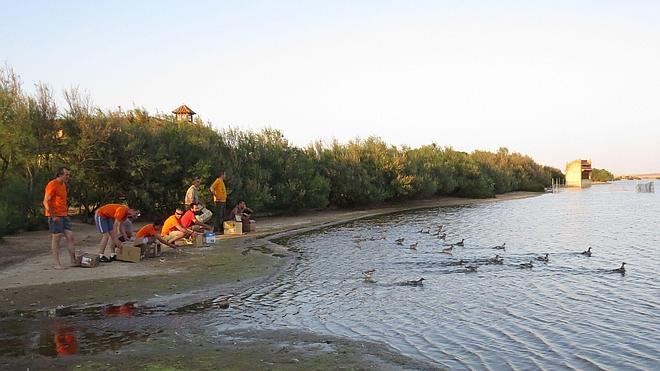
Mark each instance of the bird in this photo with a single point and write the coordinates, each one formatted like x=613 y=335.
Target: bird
x=621 y=270
x=500 y=247
x=222 y=303
x=414 y=246
x=447 y=250
x=399 y=241
x=496 y=260
x=417 y=282
x=526 y=265
x=543 y=258
x=470 y=268
x=460 y=262
x=368 y=275
x=587 y=252
x=442 y=236
x=460 y=243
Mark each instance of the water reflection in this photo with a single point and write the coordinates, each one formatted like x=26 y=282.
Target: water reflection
x=65 y=340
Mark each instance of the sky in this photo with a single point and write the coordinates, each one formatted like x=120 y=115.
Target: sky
x=555 y=80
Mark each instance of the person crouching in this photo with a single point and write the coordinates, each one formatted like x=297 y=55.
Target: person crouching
x=149 y=235
x=172 y=230
x=190 y=219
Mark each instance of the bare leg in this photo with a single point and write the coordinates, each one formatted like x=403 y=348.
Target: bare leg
x=177 y=236
x=55 y=250
x=69 y=245
x=104 y=242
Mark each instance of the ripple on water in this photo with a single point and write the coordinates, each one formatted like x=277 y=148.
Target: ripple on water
x=569 y=313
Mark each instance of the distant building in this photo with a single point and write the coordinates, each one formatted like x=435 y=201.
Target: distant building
x=578 y=174
x=184 y=113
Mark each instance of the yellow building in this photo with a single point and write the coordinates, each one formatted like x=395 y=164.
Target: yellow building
x=578 y=174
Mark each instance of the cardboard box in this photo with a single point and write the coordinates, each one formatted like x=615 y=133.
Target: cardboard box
x=89 y=260
x=130 y=254
x=148 y=251
x=232 y=227
x=249 y=225
x=199 y=240
x=205 y=216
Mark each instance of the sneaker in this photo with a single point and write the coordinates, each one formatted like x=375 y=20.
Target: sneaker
x=104 y=259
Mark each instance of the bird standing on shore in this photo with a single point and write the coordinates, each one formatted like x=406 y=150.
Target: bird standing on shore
x=587 y=252
x=621 y=270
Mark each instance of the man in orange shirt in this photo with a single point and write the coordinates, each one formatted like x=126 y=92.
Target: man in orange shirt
x=148 y=234
x=108 y=219
x=57 y=211
x=173 y=230
x=219 y=192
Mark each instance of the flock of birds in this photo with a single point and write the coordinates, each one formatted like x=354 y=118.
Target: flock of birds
x=468 y=267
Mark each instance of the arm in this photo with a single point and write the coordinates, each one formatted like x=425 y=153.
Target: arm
x=47 y=198
x=183 y=229
x=122 y=232
x=114 y=234
x=206 y=226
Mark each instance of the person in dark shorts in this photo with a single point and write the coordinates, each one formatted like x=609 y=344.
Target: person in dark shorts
x=57 y=211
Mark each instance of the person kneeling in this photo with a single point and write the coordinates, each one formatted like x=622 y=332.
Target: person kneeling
x=191 y=221
x=173 y=231
x=148 y=235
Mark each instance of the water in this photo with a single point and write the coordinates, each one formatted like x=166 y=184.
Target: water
x=572 y=312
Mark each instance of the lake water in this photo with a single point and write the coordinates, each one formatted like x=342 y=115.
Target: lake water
x=572 y=312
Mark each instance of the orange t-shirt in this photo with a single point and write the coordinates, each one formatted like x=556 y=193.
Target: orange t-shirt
x=147 y=231
x=57 y=192
x=169 y=225
x=113 y=211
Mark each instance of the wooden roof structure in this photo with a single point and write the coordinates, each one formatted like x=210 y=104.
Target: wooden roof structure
x=183 y=110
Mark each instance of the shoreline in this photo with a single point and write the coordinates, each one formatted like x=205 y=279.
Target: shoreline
x=232 y=263
x=186 y=284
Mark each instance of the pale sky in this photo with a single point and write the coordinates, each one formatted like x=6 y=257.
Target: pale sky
x=556 y=80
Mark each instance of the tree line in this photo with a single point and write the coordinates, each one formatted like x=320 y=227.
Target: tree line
x=149 y=161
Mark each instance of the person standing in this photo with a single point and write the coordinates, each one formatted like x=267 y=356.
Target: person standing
x=57 y=211
x=192 y=194
x=220 y=199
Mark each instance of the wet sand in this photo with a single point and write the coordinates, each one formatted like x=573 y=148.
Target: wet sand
x=29 y=283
